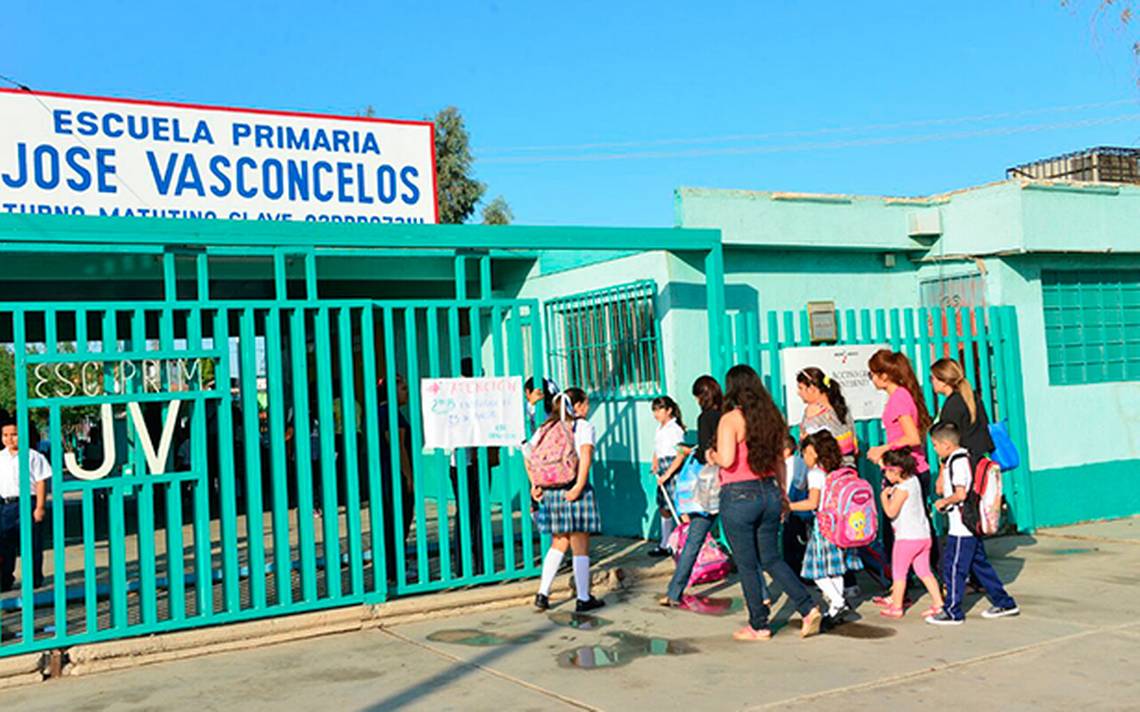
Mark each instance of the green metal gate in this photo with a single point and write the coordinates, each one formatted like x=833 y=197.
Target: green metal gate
x=242 y=455
x=984 y=340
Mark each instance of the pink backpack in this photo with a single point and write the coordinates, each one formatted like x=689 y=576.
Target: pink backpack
x=712 y=563
x=553 y=461
x=848 y=516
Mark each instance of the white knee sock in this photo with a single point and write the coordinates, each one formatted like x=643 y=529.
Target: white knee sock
x=832 y=588
x=550 y=566
x=582 y=577
x=666 y=530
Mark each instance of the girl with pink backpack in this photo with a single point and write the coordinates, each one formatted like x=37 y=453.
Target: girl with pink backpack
x=558 y=465
x=825 y=562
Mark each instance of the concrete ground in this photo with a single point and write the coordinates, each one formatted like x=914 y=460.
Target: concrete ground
x=1076 y=644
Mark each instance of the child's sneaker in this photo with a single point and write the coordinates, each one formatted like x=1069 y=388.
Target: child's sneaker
x=999 y=612
x=943 y=618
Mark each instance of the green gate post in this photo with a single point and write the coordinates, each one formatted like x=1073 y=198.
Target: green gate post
x=714 y=286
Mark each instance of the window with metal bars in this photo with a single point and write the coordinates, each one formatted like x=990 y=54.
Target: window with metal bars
x=1092 y=325
x=607 y=341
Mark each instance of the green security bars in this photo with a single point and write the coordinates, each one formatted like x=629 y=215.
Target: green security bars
x=983 y=339
x=250 y=457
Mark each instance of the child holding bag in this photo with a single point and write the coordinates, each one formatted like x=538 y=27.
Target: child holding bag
x=667 y=459
x=903 y=503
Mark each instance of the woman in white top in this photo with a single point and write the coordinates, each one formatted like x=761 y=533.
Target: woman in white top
x=903 y=503
x=570 y=514
x=668 y=456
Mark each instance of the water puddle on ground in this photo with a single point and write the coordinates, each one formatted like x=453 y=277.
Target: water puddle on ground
x=625 y=648
x=578 y=621
x=478 y=638
x=1072 y=551
x=862 y=631
x=711 y=606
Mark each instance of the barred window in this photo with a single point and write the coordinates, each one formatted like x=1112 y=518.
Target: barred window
x=1092 y=325
x=607 y=341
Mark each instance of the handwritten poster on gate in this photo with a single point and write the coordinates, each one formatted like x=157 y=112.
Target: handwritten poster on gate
x=472 y=412
x=847 y=364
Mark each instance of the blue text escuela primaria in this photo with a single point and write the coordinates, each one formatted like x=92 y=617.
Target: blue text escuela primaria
x=177 y=173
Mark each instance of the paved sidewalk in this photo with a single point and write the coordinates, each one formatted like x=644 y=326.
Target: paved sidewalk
x=1077 y=644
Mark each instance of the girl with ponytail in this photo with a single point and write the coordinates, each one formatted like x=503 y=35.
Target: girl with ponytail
x=905 y=417
x=906 y=422
x=826 y=410
x=963 y=408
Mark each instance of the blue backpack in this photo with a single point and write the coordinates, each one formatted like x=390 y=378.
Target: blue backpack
x=1005 y=452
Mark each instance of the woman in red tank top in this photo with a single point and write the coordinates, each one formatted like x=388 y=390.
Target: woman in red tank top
x=750 y=451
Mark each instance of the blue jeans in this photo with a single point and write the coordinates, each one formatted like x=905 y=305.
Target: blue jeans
x=699 y=527
x=752 y=512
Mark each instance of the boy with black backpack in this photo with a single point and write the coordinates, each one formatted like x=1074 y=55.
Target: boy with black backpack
x=964 y=552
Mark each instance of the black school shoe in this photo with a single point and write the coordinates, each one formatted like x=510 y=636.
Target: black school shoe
x=659 y=552
x=541 y=602
x=591 y=604
x=999 y=612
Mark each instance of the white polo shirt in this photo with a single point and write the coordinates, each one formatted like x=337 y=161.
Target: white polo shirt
x=10 y=468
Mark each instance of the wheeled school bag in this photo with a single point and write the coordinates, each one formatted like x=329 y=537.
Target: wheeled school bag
x=712 y=562
x=685 y=486
x=981 y=512
x=848 y=516
x=553 y=461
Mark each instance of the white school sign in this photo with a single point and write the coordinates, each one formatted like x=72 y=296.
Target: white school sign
x=74 y=155
x=472 y=412
x=847 y=364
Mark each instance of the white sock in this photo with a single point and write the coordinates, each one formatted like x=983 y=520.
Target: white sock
x=550 y=566
x=666 y=530
x=832 y=588
x=582 y=577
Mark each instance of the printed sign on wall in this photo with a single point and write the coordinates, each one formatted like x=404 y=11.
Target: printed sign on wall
x=848 y=364
x=472 y=412
x=74 y=155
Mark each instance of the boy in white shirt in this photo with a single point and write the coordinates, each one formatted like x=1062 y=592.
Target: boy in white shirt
x=964 y=553
x=10 y=484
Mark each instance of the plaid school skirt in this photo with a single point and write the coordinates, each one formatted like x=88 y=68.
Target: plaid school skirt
x=822 y=559
x=558 y=516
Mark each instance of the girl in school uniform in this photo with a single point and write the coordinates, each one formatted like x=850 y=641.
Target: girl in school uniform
x=570 y=514
x=667 y=459
x=824 y=562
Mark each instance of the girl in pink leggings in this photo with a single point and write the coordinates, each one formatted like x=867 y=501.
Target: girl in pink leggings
x=903 y=503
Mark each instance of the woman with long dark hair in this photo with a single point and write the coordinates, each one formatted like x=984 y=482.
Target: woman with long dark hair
x=750 y=452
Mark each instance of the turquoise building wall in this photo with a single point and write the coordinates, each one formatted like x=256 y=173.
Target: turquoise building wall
x=783 y=250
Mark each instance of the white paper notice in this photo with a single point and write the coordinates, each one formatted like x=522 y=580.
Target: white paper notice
x=472 y=412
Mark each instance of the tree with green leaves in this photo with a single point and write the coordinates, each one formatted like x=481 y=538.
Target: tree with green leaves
x=458 y=191
x=497 y=212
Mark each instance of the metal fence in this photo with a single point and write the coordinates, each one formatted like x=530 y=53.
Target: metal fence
x=249 y=459
x=983 y=339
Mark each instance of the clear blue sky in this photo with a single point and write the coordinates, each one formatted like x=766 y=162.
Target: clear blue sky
x=680 y=94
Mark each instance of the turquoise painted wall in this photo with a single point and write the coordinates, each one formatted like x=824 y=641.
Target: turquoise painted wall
x=625 y=426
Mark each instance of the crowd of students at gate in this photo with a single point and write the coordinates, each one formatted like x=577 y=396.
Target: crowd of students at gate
x=766 y=487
